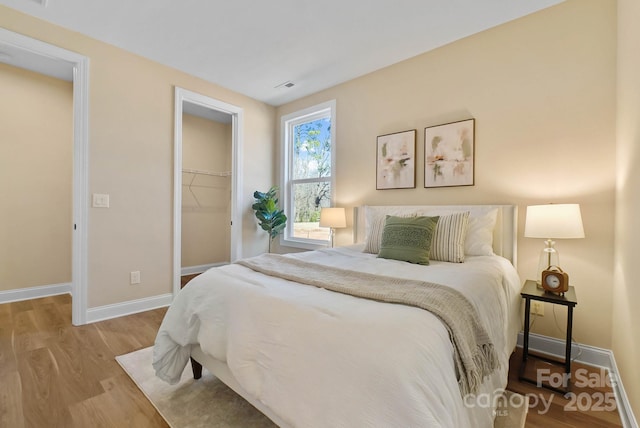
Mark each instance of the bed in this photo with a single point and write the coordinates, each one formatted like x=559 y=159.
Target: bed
x=306 y=356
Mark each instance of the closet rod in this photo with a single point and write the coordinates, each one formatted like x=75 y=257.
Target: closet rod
x=215 y=174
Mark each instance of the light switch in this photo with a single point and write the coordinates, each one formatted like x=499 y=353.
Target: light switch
x=100 y=200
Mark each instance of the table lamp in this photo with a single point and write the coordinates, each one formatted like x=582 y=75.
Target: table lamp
x=333 y=218
x=552 y=221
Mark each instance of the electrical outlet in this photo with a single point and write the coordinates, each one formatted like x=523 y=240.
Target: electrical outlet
x=537 y=308
x=135 y=277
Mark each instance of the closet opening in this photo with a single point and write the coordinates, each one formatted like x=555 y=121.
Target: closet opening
x=207 y=223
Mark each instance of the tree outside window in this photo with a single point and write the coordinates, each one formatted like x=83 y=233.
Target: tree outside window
x=308 y=176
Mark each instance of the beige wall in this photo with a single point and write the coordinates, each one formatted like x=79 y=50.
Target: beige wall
x=36 y=143
x=542 y=91
x=206 y=214
x=626 y=290
x=131 y=158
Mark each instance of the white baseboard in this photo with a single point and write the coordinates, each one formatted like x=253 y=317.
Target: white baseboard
x=190 y=270
x=19 y=294
x=130 y=307
x=592 y=356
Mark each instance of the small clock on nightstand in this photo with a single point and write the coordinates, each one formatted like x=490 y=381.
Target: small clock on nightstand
x=555 y=280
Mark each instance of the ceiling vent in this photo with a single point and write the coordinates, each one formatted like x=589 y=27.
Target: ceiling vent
x=287 y=84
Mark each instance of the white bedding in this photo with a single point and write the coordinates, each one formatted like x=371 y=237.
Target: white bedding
x=317 y=358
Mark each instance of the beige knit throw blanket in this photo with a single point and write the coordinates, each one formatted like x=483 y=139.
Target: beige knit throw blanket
x=474 y=354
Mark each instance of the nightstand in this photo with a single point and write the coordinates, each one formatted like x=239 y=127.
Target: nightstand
x=531 y=291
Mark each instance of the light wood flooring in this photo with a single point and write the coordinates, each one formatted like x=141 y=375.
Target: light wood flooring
x=53 y=374
x=563 y=412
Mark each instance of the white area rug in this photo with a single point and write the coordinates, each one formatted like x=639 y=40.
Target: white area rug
x=512 y=412
x=208 y=402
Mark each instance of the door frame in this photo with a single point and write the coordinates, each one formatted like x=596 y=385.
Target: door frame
x=237 y=123
x=80 y=64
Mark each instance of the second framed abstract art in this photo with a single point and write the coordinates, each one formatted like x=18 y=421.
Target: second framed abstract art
x=449 y=154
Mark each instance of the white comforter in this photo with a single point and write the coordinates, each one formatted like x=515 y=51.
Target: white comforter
x=322 y=359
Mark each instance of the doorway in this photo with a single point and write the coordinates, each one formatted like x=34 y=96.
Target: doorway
x=199 y=186
x=35 y=55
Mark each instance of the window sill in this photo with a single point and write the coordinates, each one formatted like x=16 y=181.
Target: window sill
x=304 y=244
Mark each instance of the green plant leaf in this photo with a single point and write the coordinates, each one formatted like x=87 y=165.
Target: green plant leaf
x=271 y=219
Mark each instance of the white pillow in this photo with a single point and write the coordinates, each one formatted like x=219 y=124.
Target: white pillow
x=479 y=236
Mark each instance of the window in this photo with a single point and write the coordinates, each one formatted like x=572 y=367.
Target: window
x=307 y=176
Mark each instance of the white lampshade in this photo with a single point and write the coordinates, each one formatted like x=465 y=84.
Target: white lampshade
x=333 y=217
x=554 y=221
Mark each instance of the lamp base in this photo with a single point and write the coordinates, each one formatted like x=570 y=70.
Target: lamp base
x=548 y=257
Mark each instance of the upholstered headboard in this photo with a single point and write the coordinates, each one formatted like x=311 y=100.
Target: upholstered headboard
x=505 y=232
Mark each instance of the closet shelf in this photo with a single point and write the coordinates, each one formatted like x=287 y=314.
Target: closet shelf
x=197 y=172
x=214 y=174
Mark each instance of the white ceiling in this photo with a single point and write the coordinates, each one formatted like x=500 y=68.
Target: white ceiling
x=205 y=112
x=253 y=46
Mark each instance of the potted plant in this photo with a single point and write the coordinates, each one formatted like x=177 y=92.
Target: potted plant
x=272 y=219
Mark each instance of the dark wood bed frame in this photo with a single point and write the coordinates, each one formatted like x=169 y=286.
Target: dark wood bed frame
x=196 y=368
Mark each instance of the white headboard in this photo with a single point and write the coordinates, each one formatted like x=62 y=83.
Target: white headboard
x=505 y=233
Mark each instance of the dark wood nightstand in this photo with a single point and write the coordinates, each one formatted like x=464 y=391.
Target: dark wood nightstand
x=531 y=291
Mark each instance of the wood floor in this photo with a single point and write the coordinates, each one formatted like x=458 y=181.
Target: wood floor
x=582 y=408
x=55 y=375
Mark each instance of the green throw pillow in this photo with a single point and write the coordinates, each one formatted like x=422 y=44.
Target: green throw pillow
x=407 y=238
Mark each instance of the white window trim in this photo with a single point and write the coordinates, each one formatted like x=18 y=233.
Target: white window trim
x=285 y=189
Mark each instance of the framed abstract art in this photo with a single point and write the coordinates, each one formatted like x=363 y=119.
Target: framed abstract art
x=449 y=154
x=396 y=161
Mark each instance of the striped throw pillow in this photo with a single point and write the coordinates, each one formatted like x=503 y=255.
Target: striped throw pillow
x=448 y=240
x=374 y=237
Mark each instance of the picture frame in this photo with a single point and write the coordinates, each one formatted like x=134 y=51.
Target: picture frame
x=449 y=154
x=396 y=160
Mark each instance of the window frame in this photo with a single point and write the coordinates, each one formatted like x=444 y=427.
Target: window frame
x=287 y=122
